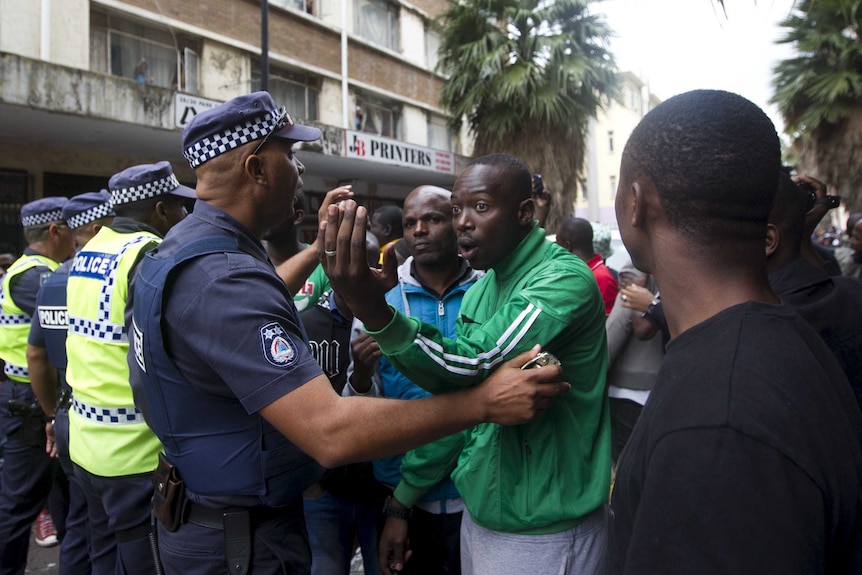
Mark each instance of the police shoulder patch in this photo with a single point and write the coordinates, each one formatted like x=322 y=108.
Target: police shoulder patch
x=278 y=348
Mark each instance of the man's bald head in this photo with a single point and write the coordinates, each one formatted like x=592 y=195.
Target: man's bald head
x=422 y=192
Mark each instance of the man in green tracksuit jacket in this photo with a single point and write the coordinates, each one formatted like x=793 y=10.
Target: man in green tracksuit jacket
x=535 y=493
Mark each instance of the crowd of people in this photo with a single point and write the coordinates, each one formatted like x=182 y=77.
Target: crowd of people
x=437 y=385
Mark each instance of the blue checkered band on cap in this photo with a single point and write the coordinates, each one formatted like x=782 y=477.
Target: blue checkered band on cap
x=89 y=207
x=226 y=140
x=43 y=211
x=144 y=191
x=90 y=215
x=42 y=218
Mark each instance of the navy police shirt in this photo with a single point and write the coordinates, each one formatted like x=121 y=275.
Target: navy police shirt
x=231 y=326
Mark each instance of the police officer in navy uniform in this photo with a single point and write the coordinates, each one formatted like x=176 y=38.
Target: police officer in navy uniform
x=46 y=359
x=113 y=451
x=232 y=390
x=28 y=471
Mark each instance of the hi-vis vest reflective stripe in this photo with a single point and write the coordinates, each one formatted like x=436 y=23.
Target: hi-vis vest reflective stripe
x=14 y=322
x=98 y=372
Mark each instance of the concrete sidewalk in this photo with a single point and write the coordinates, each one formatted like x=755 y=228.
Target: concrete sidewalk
x=42 y=560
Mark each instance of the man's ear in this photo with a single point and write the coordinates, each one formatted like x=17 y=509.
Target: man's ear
x=526 y=209
x=253 y=166
x=772 y=239
x=161 y=211
x=298 y=216
x=637 y=197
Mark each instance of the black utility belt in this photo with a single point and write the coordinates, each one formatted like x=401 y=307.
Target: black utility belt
x=18 y=407
x=237 y=523
x=220 y=518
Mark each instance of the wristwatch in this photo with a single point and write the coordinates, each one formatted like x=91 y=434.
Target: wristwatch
x=390 y=510
x=655 y=301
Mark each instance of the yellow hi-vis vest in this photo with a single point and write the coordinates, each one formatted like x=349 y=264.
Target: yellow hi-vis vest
x=107 y=433
x=15 y=322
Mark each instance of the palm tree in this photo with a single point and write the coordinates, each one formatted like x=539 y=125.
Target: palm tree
x=819 y=92
x=527 y=75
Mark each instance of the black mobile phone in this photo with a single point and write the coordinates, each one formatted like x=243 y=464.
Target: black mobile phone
x=811 y=199
x=538 y=184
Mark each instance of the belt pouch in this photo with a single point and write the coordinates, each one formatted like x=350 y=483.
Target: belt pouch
x=32 y=430
x=237 y=542
x=168 y=494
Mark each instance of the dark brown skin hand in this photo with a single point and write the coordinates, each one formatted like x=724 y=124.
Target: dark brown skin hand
x=393 y=549
x=332 y=197
x=366 y=353
x=635 y=297
x=812 y=218
x=816 y=213
x=542 y=201
x=342 y=236
x=514 y=395
x=50 y=444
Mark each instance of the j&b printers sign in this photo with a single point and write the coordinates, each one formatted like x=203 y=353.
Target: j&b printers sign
x=376 y=149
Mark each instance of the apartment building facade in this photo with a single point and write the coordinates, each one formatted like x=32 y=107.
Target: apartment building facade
x=607 y=136
x=89 y=87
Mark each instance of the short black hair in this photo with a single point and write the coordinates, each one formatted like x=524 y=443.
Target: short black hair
x=714 y=158
x=518 y=174
x=577 y=233
x=788 y=211
x=390 y=215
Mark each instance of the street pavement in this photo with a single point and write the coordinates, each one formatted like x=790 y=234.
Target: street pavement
x=42 y=560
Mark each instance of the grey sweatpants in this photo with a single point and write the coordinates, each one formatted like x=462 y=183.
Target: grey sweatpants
x=581 y=550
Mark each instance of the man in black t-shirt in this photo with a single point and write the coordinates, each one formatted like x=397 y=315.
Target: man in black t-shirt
x=747 y=457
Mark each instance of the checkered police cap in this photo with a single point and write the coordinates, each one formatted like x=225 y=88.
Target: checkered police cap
x=85 y=208
x=146 y=181
x=237 y=122
x=43 y=211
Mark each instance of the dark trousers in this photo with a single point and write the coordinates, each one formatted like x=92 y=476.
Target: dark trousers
x=120 y=506
x=333 y=524
x=279 y=547
x=75 y=546
x=28 y=474
x=624 y=416
x=436 y=543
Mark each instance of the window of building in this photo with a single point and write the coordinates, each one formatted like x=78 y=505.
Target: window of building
x=144 y=53
x=378 y=116
x=14 y=193
x=299 y=93
x=610 y=141
x=439 y=135
x=377 y=22
x=432 y=45
x=613 y=186
x=306 y=6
